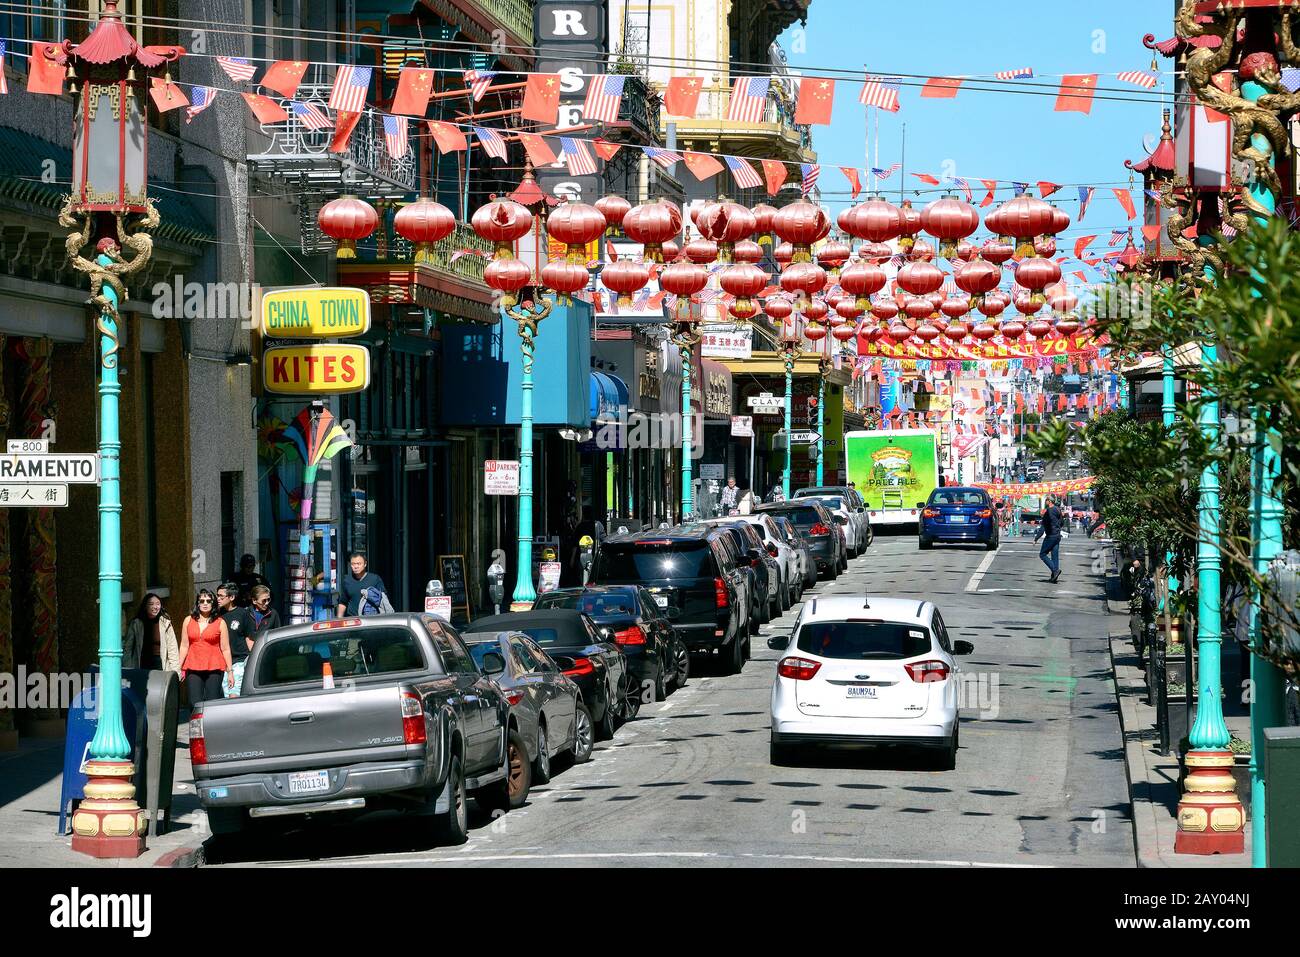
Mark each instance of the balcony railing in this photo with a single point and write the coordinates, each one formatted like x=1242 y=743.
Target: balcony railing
x=779 y=112
x=515 y=15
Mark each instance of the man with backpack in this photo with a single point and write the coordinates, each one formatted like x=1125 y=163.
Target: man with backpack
x=362 y=592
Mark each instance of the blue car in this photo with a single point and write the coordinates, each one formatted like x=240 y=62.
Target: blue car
x=959 y=514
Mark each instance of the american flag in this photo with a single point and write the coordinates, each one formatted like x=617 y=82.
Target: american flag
x=237 y=68
x=578 y=156
x=745 y=175
x=881 y=92
x=664 y=158
x=201 y=98
x=4 y=84
x=1290 y=79
x=963 y=185
x=810 y=173
x=395 y=140
x=1117 y=236
x=749 y=99
x=479 y=81
x=883 y=174
x=603 y=99
x=1140 y=78
x=491 y=142
x=351 y=84
x=312 y=117
x=1020 y=73
x=1228 y=230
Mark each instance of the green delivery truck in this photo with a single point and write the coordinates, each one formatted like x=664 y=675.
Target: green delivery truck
x=893 y=470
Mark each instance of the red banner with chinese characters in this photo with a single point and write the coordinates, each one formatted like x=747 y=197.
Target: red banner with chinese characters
x=1082 y=344
x=1059 y=487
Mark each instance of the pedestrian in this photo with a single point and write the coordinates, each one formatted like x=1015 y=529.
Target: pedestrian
x=205 y=651
x=265 y=618
x=1049 y=529
x=778 y=493
x=150 y=640
x=730 y=496
x=359 y=585
x=239 y=628
x=247 y=579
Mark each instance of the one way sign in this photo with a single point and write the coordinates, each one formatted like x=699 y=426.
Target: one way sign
x=803 y=437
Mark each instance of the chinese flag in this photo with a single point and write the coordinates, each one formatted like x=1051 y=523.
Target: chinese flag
x=1046 y=189
x=1081 y=244
x=1042 y=402
x=538 y=150
x=605 y=149
x=851 y=174
x=448 y=138
x=682 y=98
x=413 y=89
x=1151 y=232
x=1126 y=200
x=265 y=109
x=775 y=173
x=815 y=99
x=44 y=75
x=941 y=87
x=344 y=124
x=1076 y=93
x=926 y=178
x=990 y=185
x=284 y=77
x=701 y=164
x=166 y=95
x=1020 y=402
x=542 y=98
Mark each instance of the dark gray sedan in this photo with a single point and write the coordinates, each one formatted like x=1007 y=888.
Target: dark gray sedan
x=545 y=703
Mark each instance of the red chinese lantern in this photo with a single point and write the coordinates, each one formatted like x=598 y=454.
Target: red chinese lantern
x=814 y=332
x=984 y=331
x=921 y=252
x=955 y=331
x=576 y=225
x=992 y=306
x=949 y=220
x=625 y=277
x=747 y=251
x=875 y=253
x=1012 y=329
x=801 y=224
x=936 y=299
x=564 y=277
x=927 y=332
x=997 y=252
x=744 y=281
x=884 y=309
x=1045 y=248
x=1060 y=221
x=1024 y=217
x=783 y=254
x=977 y=277
x=424 y=223
x=1063 y=301
x=911 y=225
x=918 y=308
x=814 y=310
x=653 y=225
x=1067 y=325
x=966 y=250
x=1036 y=275
x=726 y=224
x=683 y=279
x=862 y=280
x=507 y=275
x=955 y=308
x=869 y=333
x=833 y=255
x=764 y=216
x=845 y=332
x=803 y=278
x=876 y=221
x=703 y=251
x=501 y=222
x=1027 y=305
x=848 y=308
x=613 y=208
x=778 y=308
x=1040 y=328
x=346 y=220
x=670 y=251
x=899 y=332
x=920 y=278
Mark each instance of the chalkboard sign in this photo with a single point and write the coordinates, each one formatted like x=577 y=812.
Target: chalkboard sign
x=451 y=571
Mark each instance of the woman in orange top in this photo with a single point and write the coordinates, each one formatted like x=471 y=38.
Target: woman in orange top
x=205 y=650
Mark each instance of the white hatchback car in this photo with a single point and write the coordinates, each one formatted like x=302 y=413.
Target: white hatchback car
x=867 y=670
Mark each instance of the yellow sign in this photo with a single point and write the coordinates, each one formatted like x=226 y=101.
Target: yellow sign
x=323 y=368
x=311 y=312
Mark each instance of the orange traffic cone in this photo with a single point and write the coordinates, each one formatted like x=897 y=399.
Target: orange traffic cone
x=327 y=673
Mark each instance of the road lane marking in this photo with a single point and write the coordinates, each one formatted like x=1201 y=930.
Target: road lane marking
x=624 y=855
x=974 y=584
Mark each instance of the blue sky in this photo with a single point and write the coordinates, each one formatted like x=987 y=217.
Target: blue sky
x=989 y=135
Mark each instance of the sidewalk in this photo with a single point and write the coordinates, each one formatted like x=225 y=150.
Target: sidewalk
x=1152 y=777
x=30 y=782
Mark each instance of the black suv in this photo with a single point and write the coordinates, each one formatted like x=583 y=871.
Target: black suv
x=692 y=574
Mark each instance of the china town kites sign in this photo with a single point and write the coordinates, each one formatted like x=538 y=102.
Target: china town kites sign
x=1061 y=487
x=992 y=349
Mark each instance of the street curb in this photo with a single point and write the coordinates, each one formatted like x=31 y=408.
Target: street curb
x=191 y=856
x=1146 y=835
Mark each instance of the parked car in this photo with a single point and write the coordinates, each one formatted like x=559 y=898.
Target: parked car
x=959 y=514
x=767 y=571
x=862 y=672
x=545 y=703
x=854 y=520
x=799 y=544
x=788 y=559
x=355 y=715
x=656 y=657
x=819 y=529
x=694 y=575
x=592 y=660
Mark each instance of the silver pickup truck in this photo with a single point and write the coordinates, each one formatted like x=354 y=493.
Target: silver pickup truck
x=355 y=715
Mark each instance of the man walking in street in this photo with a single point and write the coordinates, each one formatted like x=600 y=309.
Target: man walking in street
x=1049 y=529
x=730 y=496
x=239 y=623
x=354 y=588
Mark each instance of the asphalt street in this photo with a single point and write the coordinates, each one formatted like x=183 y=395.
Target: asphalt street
x=1040 y=777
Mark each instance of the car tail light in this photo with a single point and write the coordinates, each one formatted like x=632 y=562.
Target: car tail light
x=412 y=718
x=800 y=669
x=630 y=636
x=923 y=671
x=984 y=513
x=819 y=530
x=931 y=513
x=581 y=666
x=198 y=747
x=514 y=697
x=720 y=598
x=335 y=623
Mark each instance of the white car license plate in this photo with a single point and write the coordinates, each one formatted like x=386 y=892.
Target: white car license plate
x=309 y=782
x=661 y=601
x=861 y=691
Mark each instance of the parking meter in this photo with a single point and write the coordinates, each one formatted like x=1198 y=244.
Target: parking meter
x=496 y=576
x=436 y=602
x=588 y=546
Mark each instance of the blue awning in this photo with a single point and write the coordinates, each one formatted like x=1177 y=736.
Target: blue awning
x=608 y=394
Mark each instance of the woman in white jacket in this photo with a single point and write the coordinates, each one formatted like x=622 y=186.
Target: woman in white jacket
x=150 y=640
